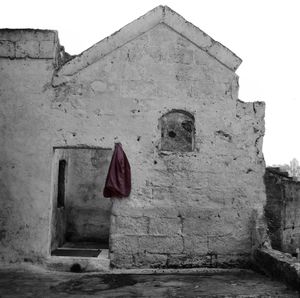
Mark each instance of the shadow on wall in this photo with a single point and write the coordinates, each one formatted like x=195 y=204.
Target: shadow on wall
x=282 y=210
x=281 y=259
x=80 y=212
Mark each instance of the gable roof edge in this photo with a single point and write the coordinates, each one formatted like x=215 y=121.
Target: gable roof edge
x=160 y=14
x=201 y=39
x=109 y=44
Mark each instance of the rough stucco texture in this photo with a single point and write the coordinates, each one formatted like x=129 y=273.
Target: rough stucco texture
x=27 y=134
x=186 y=208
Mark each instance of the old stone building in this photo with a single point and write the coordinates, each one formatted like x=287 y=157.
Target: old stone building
x=169 y=93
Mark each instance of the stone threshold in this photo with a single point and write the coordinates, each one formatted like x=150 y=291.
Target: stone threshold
x=101 y=263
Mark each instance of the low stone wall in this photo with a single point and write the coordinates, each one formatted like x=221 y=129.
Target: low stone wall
x=158 y=242
x=28 y=43
x=283 y=210
x=278 y=265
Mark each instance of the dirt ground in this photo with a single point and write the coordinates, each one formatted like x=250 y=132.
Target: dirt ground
x=30 y=283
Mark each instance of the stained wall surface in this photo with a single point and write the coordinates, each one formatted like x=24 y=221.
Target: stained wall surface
x=283 y=210
x=191 y=208
x=27 y=127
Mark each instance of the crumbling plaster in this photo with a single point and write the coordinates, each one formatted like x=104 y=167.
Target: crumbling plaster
x=185 y=209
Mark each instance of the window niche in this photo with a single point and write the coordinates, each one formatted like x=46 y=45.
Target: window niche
x=177 y=131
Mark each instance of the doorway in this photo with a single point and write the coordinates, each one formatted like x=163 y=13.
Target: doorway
x=81 y=215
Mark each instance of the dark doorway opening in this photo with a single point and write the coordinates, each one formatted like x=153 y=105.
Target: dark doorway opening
x=81 y=215
x=61 y=184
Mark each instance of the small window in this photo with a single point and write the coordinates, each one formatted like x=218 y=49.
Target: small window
x=177 y=131
x=61 y=184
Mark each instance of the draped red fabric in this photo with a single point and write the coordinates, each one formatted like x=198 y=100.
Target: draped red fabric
x=118 y=180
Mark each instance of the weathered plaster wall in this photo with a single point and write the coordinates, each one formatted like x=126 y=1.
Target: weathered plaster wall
x=26 y=128
x=283 y=210
x=186 y=208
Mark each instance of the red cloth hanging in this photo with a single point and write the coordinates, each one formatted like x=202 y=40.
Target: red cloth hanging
x=118 y=180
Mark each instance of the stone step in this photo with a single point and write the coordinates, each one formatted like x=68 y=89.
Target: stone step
x=79 y=264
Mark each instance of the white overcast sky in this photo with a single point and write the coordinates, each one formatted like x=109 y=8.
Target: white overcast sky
x=264 y=33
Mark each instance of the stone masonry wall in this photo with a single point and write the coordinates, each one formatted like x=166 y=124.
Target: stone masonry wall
x=283 y=210
x=186 y=208
x=190 y=208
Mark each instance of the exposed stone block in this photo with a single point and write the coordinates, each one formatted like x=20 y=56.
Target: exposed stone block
x=176 y=194
x=165 y=226
x=124 y=244
x=209 y=259
x=27 y=48
x=126 y=225
x=118 y=260
x=196 y=244
x=7 y=49
x=159 y=211
x=11 y=35
x=230 y=244
x=210 y=220
x=196 y=226
x=47 y=49
x=150 y=260
x=29 y=43
x=188 y=261
x=143 y=209
x=161 y=244
x=242 y=260
x=27 y=34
